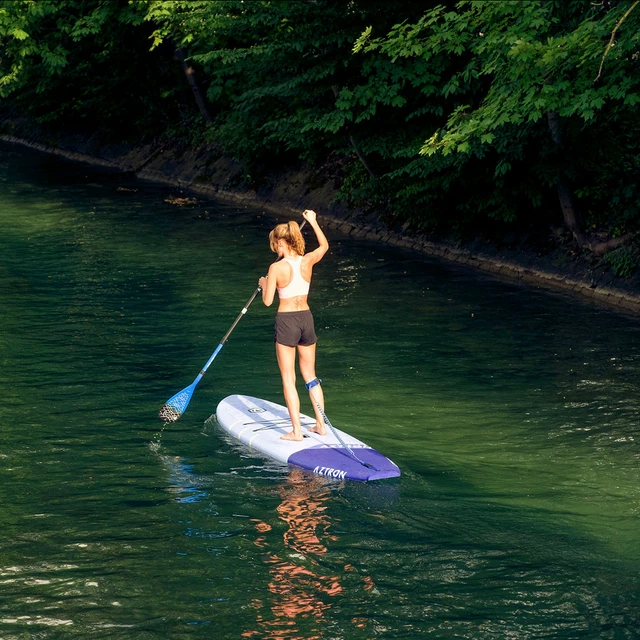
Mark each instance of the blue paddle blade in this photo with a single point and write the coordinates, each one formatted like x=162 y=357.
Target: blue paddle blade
x=175 y=406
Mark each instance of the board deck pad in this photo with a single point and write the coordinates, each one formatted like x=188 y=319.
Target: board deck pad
x=260 y=424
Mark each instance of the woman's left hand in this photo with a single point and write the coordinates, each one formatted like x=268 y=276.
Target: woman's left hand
x=262 y=283
x=309 y=216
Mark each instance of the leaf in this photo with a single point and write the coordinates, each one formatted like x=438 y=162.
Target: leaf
x=19 y=34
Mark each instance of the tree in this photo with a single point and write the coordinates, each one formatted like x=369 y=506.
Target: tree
x=274 y=84
x=472 y=116
x=83 y=61
x=524 y=64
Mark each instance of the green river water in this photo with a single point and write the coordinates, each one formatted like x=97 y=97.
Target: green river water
x=512 y=413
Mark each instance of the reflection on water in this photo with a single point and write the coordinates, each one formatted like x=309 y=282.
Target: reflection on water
x=302 y=581
x=301 y=589
x=512 y=412
x=183 y=484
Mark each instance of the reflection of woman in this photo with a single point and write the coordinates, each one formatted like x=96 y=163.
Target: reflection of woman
x=302 y=509
x=296 y=587
x=294 y=330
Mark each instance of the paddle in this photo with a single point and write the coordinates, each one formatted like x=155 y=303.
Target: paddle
x=175 y=406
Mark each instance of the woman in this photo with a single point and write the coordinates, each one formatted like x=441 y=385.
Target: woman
x=294 y=330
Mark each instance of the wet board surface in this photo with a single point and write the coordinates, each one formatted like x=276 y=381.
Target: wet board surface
x=260 y=424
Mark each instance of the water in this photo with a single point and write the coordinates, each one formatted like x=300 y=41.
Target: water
x=512 y=412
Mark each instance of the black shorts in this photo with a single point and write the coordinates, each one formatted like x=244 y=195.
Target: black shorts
x=293 y=328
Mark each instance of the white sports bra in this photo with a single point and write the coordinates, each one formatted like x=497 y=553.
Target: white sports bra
x=298 y=285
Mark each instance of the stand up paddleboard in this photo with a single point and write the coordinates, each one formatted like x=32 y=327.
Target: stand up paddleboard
x=260 y=424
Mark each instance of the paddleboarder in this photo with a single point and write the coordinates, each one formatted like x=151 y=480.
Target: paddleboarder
x=294 y=330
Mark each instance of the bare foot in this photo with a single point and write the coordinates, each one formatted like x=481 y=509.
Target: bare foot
x=292 y=435
x=319 y=429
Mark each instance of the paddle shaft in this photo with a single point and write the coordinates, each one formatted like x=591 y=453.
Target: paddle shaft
x=233 y=326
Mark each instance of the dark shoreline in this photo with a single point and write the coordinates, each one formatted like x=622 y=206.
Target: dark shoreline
x=202 y=172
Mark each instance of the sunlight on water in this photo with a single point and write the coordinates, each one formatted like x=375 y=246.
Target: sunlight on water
x=512 y=413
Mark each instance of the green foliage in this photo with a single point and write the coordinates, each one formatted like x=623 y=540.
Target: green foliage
x=497 y=69
x=83 y=63
x=278 y=75
x=536 y=57
x=438 y=112
x=622 y=262
x=611 y=195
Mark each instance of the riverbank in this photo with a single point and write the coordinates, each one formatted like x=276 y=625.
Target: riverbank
x=205 y=172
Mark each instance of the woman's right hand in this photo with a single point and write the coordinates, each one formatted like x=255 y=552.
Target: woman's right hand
x=309 y=216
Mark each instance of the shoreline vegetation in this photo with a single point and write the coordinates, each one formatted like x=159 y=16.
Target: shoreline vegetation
x=182 y=169
x=502 y=135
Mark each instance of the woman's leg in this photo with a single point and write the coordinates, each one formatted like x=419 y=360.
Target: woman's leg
x=307 y=362
x=287 y=363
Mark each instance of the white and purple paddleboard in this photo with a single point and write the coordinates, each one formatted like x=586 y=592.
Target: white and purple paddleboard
x=260 y=425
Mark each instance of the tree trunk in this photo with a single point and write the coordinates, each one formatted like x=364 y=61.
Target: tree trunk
x=363 y=160
x=191 y=79
x=569 y=211
x=567 y=204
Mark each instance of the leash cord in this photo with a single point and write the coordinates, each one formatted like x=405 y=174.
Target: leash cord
x=335 y=432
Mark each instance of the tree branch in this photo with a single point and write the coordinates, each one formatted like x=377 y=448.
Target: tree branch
x=613 y=35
